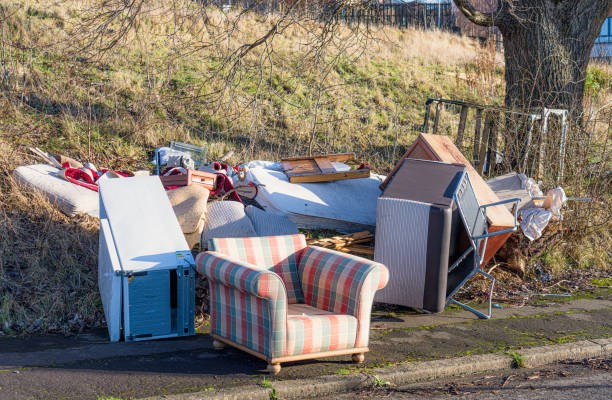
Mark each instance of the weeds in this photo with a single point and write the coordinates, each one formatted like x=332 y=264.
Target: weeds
x=267 y=383
x=517 y=360
x=377 y=382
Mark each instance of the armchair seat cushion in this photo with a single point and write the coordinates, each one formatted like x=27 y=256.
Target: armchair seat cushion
x=312 y=330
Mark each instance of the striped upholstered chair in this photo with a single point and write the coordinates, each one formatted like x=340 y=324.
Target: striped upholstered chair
x=280 y=300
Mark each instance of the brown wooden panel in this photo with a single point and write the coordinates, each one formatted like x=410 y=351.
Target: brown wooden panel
x=477 y=129
x=300 y=167
x=320 y=168
x=340 y=157
x=324 y=165
x=461 y=128
x=484 y=143
x=338 y=176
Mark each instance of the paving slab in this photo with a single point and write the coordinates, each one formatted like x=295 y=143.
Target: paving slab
x=88 y=367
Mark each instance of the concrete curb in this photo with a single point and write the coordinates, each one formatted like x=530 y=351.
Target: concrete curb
x=405 y=374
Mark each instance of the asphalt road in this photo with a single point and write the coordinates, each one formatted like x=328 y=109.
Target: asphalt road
x=588 y=379
x=87 y=366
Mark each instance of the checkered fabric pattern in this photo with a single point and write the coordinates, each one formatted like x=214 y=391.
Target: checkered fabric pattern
x=342 y=284
x=249 y=302
x=280 y=254
x=248 y=305
x=314 y=331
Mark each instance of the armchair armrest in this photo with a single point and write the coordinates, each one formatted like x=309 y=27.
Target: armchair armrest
x=248 y=304
x=337 y=282
x=242 y=276
x=342 y=284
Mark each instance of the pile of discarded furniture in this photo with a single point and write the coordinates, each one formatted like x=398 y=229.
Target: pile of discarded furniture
x=427 y=228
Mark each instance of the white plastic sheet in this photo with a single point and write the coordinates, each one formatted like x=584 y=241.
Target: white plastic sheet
x=534 y=220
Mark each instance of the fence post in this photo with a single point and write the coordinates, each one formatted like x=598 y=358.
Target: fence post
x=435 y=127
x=426 y=121
x=475 y=159
x=484 y=143
x=462 y=119
x=492 y=153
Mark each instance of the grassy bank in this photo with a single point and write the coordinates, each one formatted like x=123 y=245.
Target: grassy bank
x=166 y=80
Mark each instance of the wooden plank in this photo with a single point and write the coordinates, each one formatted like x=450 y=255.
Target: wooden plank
x=484 y=143
x=324 y=165
x=320 y=168
x=360 y=173
x=477 y=130
x=426 y=119
x=461 y=129
x=437 y=120
x=339 y=157
x=300 y=167
x=492 y=154
x=358 y=249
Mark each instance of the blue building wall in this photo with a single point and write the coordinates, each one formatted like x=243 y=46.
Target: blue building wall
x=603 y=43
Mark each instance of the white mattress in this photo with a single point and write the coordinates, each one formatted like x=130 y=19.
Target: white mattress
x=71 y=199
x=346 y=205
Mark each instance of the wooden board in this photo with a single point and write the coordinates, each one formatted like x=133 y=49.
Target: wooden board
x=441 y=148
x=320 y=168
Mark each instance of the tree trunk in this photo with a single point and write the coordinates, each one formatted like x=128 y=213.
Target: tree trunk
x=545 y=62
x=547 y=44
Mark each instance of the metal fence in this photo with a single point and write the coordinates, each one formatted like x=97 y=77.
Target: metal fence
x=423 y=15
x=498 y=140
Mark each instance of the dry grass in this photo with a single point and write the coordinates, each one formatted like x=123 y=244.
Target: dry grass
x=150 y=88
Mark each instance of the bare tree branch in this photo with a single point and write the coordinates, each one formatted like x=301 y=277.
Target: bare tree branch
x=477 y=17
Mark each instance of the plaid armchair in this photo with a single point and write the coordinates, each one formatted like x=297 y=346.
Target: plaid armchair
x=280 y=300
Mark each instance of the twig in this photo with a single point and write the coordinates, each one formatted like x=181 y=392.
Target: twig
x=507 y=380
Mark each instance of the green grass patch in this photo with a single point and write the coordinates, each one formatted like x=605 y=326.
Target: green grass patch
x=378 y=382
x=517 y=360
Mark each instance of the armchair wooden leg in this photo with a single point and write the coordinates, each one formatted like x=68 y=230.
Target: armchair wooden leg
x=274 y=368
x=358 y=358
x=218 y=345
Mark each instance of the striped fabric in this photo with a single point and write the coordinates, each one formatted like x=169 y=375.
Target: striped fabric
x=249 y=302
x=248 y=305
x=310 y=330
x=342 y=284
x=280 y=254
